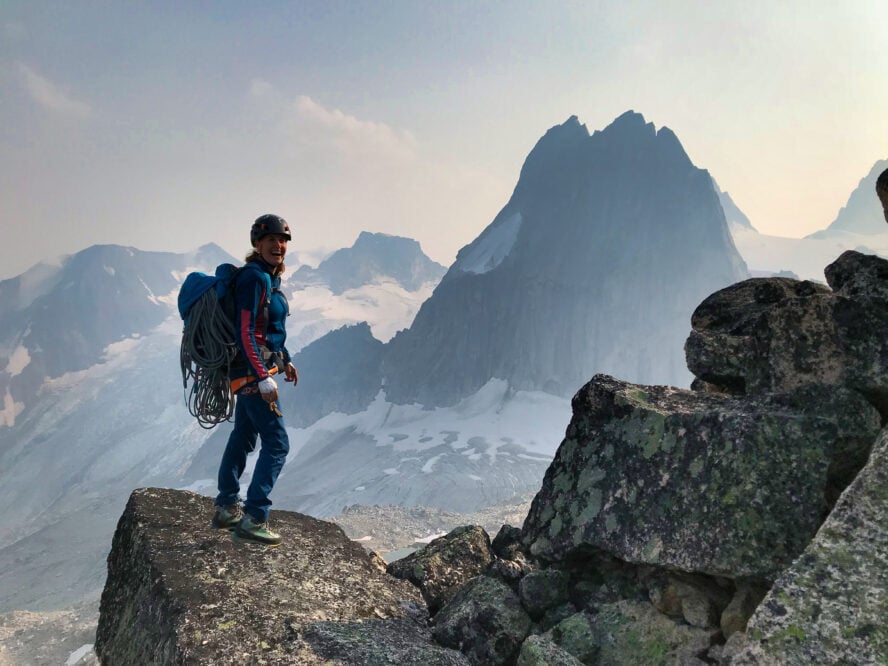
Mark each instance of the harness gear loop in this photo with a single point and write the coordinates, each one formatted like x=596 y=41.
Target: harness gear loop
x=240 y=382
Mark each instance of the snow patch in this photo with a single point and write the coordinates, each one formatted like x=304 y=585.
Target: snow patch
x=116 y=358
x=429 y=467
x=78 y=654
x=120 y=348
x=430 y=537
x=385 y=305
x=391 y=471
x=491 y=247
x=10 y=410
x=110 y=271
x=531 y=419
x=18 y=361
x=151 y=296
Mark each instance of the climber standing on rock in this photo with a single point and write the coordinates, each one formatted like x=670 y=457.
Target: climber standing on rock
x=882 y=191
x=261 y=312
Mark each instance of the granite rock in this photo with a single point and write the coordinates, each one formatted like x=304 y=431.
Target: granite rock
x=179 y=592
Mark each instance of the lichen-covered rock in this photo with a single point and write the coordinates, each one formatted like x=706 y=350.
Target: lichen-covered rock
x=485 y=621
x=697 y=600
x=507 y=542
x=511 y=571
x=831 y=605
x=736 y=614
x=378 y=642
x=541 y=590
x=178 y=592
x=860 y=277
x=723 y=348
x=576 y=635
x=541 y=650
x=777 y=334
x=446 y=563
x=629 y=632
x=694 y=481
x=556 y=615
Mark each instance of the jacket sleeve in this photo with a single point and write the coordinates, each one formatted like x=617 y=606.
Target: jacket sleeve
x=250 y=298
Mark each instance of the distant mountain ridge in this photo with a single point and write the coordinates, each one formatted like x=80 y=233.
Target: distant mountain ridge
x=862 y=214
x=91 y=404
x=733 y=214
x=371 y=257
x=381 y=279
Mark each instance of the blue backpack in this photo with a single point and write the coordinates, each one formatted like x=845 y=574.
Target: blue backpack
x=209 y=344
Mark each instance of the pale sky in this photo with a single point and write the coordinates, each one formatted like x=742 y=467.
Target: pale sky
x=166 y=125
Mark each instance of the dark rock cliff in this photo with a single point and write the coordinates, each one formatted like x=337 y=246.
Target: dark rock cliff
x=595 y=264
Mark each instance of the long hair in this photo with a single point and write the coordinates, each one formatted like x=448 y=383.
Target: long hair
x=254 y=254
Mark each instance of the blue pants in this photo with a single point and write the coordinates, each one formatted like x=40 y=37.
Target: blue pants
x=253 y=418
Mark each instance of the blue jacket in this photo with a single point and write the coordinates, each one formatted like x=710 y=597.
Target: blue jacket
x=260 y=319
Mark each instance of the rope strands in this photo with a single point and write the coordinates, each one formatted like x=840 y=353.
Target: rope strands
x=205 y=360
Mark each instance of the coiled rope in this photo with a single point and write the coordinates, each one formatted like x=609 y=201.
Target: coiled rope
x=205 y=358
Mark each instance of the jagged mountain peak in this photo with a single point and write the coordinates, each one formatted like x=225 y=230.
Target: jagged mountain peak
x=603 y=237
x=733 y=214
x=210 y=255
x=629 y=122
x=862 y=214
x=372 y=257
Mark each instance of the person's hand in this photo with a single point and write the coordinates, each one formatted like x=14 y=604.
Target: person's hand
x=291 y=374
x=268 y=390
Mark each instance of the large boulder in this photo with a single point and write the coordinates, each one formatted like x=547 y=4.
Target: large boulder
x=445 y=564
x=693 y=481
x=831 y=605
x=630 y=632
x=178 y=592
x=776 y=334
x=485 y=621
x=541 y=650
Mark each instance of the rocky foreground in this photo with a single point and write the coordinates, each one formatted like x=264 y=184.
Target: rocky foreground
x=742 y=522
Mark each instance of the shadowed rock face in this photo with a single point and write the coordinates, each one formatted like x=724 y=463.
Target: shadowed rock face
x=769 y=335
x=179 y=592
x=692 y=481
x=831 y=605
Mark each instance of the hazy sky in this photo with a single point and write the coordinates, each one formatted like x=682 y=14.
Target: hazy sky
x=165 y=125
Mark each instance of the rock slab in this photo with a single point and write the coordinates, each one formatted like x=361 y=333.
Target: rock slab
x=831 y=605
x=692 y=481
x=178 y=592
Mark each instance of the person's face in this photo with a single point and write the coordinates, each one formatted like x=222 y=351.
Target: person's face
x=272 y=248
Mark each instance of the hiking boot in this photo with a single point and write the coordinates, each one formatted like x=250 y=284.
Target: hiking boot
x=227 y=517
x=248 y=529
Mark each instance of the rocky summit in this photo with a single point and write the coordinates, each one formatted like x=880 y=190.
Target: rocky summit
x=178 y=592
x=744 y=521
